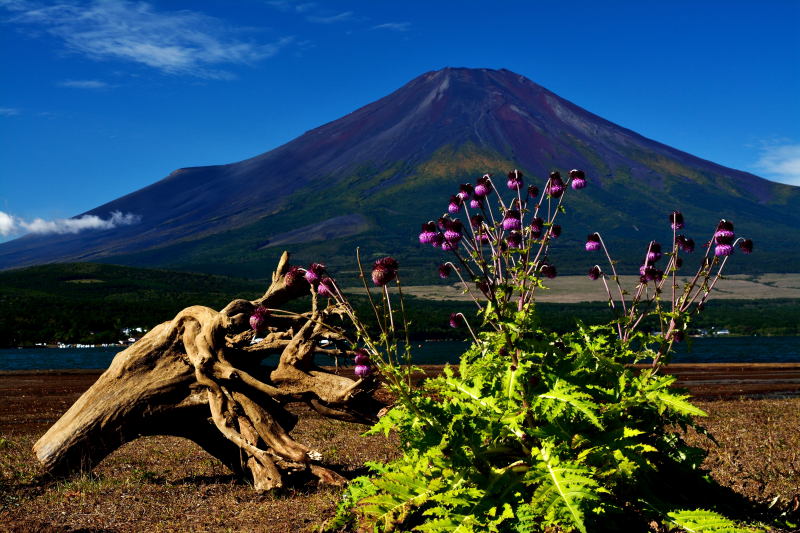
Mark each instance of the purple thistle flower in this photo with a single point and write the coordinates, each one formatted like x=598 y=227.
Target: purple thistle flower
x=555 y=186
x=476 y=203
x=555 y=231
x=650 y=273
x=594 y=273
x=514 y=239
x=294 y=277
x=514 y=180
x=428 y=232
x=593 y=242
x=476 y=221
x=326 y=287
x=453 y=230
x=438 y=240
x=722 y=250
x=578 y=179
x=533 y=191
x=684 y=243
x=384 y=270
x=314 y=272
x=361 y=357
x=511 y=220
x=676 y=220
x=464 y=191
x=456 y=320
x=548 y=270
x=724 y=233
x=482 y=237
x=258 y=318
x=653 y=252
x=455 y=204
x=445 y=270
x=746 y=246
x=362 y=371
x=483 y=187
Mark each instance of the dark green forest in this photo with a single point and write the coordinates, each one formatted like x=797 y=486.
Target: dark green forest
x=91 y=303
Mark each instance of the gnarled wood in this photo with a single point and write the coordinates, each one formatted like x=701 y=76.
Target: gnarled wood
x=199 y=377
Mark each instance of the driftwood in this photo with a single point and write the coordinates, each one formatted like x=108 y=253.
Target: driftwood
x=200 y=376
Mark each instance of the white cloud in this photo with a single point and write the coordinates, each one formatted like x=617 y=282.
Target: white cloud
x=175 y=42
x=11 y=225
x=8 y=111
x=780 y=162
x=331 y=19
x=394 y=26
x=84 y=84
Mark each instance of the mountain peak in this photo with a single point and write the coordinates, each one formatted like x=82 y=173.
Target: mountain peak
x=468 y=120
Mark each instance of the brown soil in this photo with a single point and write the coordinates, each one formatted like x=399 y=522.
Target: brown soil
x=170 y=484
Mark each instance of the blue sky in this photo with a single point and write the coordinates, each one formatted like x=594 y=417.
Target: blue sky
x=100 y=98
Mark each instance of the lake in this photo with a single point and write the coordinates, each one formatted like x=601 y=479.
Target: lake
x=703 y=350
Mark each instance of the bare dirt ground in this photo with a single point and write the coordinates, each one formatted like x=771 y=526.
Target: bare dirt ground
x=576 y=289
x=170 y=484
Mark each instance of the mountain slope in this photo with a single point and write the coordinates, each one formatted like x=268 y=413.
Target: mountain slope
x=372 y=176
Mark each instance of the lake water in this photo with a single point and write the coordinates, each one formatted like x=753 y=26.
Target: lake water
x=703 y=350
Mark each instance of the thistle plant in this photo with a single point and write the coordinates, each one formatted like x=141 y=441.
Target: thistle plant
x=538 y=431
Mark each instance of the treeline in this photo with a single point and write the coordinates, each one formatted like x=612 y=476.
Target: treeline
x=92 y=303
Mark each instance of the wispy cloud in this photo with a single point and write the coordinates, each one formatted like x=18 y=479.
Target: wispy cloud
x=11 y=225
x=394 y=26
x=175 y=42
x=780 y=162
x=9 y=111
x=298 y=6
x=331 y=19
x=84 y=84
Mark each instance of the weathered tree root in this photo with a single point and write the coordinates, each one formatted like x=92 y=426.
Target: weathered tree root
x=199 y=377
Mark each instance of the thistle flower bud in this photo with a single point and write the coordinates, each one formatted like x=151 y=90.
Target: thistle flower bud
x=514 y=239
x=724 y=233
x=536 y=226
x=722 y=250
x=594 y=273
x=578 y=179
x=476 y=221
x=326 y=287
x=511 y=220
x=533 y=191
x=428 y=232
x=294 y=277
x=438 y=240
x=361 y=357
x=453 y=230
x=464 y=191
x=384 y=270
x=483 y=186
x=445 y=270
x=362 y=371
x=684 y=243
x=650 y=273
x=676 y=220
x=258 y=318
x=514 y=180
x=456 y=320
x=555 y=231
x=593 y=242
x=455 y=204
x=746 y=246
x=314 y=273
x=476 y=203
x=555 y=186
x=449 y=246
x=653 y=252
x=548 y=271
